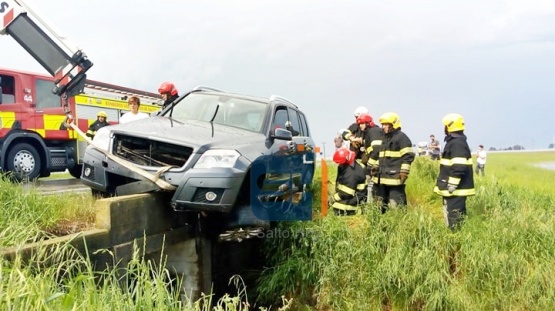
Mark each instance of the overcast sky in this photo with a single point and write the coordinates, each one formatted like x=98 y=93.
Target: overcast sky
x=491 y=61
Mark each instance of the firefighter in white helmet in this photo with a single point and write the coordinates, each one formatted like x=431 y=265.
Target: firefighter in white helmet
x=455 y=180
x=353 y=134
x=390 y=167
x=101 y=121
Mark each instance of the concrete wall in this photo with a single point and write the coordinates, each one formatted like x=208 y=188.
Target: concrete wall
x=143 y=221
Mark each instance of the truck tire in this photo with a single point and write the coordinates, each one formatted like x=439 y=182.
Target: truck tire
x=23 y=162
x=76 y=171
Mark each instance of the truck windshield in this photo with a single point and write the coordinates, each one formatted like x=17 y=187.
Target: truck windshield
x=238 y=112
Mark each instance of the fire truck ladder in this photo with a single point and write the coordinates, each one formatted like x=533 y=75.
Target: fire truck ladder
x=67 y=63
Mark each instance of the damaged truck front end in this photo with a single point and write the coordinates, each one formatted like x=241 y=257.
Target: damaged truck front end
x=241 y=161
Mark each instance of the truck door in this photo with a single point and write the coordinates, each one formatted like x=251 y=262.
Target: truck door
x=49 y=113
x=8 y=106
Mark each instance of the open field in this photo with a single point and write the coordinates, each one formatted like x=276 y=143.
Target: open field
x=501 y=259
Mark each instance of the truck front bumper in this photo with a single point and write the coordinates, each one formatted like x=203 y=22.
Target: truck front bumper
x=210 y=190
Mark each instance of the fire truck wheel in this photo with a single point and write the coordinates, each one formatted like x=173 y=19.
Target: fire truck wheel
x=24 y=162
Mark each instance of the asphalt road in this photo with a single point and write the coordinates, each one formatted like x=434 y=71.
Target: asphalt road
x=55 y=186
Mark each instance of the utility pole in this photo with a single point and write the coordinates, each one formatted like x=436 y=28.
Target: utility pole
x=324 y=148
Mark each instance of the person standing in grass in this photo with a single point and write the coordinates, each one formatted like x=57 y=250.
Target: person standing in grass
x=455 y=180
x=350 y=185
x=390 y=165
x=481 y=161
x=434 y=147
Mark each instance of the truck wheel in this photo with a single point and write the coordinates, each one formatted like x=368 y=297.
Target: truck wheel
x=24 y=162
x=76 y=171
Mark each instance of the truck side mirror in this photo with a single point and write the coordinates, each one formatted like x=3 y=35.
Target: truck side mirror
x=281 y=133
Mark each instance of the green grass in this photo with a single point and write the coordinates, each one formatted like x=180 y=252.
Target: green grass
x=502 y=258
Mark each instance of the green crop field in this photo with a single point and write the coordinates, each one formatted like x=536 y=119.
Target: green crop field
x=502 y=258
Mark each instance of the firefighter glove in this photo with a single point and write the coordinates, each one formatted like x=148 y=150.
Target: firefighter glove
x=403 y=176
x=451 y=188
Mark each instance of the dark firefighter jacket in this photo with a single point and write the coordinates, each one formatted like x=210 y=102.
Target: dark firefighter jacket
x=455 y=167
x=354 y=130
x=372 y=139
x=395 y=155
x=169 y=100
x=95 y=126
x=350 y=186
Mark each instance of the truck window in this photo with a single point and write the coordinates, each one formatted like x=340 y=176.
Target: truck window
x=44 y=96
x=7 y=89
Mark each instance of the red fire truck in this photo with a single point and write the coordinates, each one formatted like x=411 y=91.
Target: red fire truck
x=33 y=139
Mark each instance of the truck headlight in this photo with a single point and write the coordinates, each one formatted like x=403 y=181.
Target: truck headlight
x=102 y=138
x=217 y=158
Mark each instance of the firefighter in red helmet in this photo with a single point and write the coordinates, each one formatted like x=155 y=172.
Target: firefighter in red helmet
x=371 y=136
x=169 y=93
x=350 y=184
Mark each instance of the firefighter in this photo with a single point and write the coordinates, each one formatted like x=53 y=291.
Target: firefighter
x=371 y=134
x=101 y=121
x=372 y=139
x=350 y=184
x=353 y=135
x=455 y=180
x=390 y=167
x=169 y=93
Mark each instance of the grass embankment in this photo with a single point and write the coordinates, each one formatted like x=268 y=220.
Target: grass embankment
x=501 y=259
x=27 y=215
x=71 y=283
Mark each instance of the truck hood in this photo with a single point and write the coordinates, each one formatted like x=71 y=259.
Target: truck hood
x=195 y=134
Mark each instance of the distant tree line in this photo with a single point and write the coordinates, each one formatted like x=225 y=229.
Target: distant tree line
x=516 y=147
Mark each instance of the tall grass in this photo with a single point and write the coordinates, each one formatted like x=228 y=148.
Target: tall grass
x=64 y=279
x=27 y=215
x=501 y=258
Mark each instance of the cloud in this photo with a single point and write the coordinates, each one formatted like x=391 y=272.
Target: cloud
x=491 y=61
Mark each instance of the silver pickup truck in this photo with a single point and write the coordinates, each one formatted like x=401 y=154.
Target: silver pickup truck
x=244 y=161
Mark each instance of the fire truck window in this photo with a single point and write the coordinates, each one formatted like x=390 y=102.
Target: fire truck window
x=7 y=89
x=44 y=96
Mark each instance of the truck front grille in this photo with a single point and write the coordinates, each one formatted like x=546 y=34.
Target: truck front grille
x=148 y=152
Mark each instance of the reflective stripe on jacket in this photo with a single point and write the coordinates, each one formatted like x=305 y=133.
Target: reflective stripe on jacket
x=455 y=167
x=350 y=186
x=395 y=155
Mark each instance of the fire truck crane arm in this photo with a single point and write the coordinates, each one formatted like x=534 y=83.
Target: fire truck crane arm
x=64 y=61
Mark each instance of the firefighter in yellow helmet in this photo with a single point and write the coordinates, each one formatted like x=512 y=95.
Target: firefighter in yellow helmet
x=390 y=167
x=101 y=121
x=455 y=180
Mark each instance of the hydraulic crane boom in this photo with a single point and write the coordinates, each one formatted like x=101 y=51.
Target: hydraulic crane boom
x=64 y=61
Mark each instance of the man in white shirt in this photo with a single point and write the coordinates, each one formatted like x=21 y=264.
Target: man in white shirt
x=434 y=147
x=480 y=161
x=133 y=114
